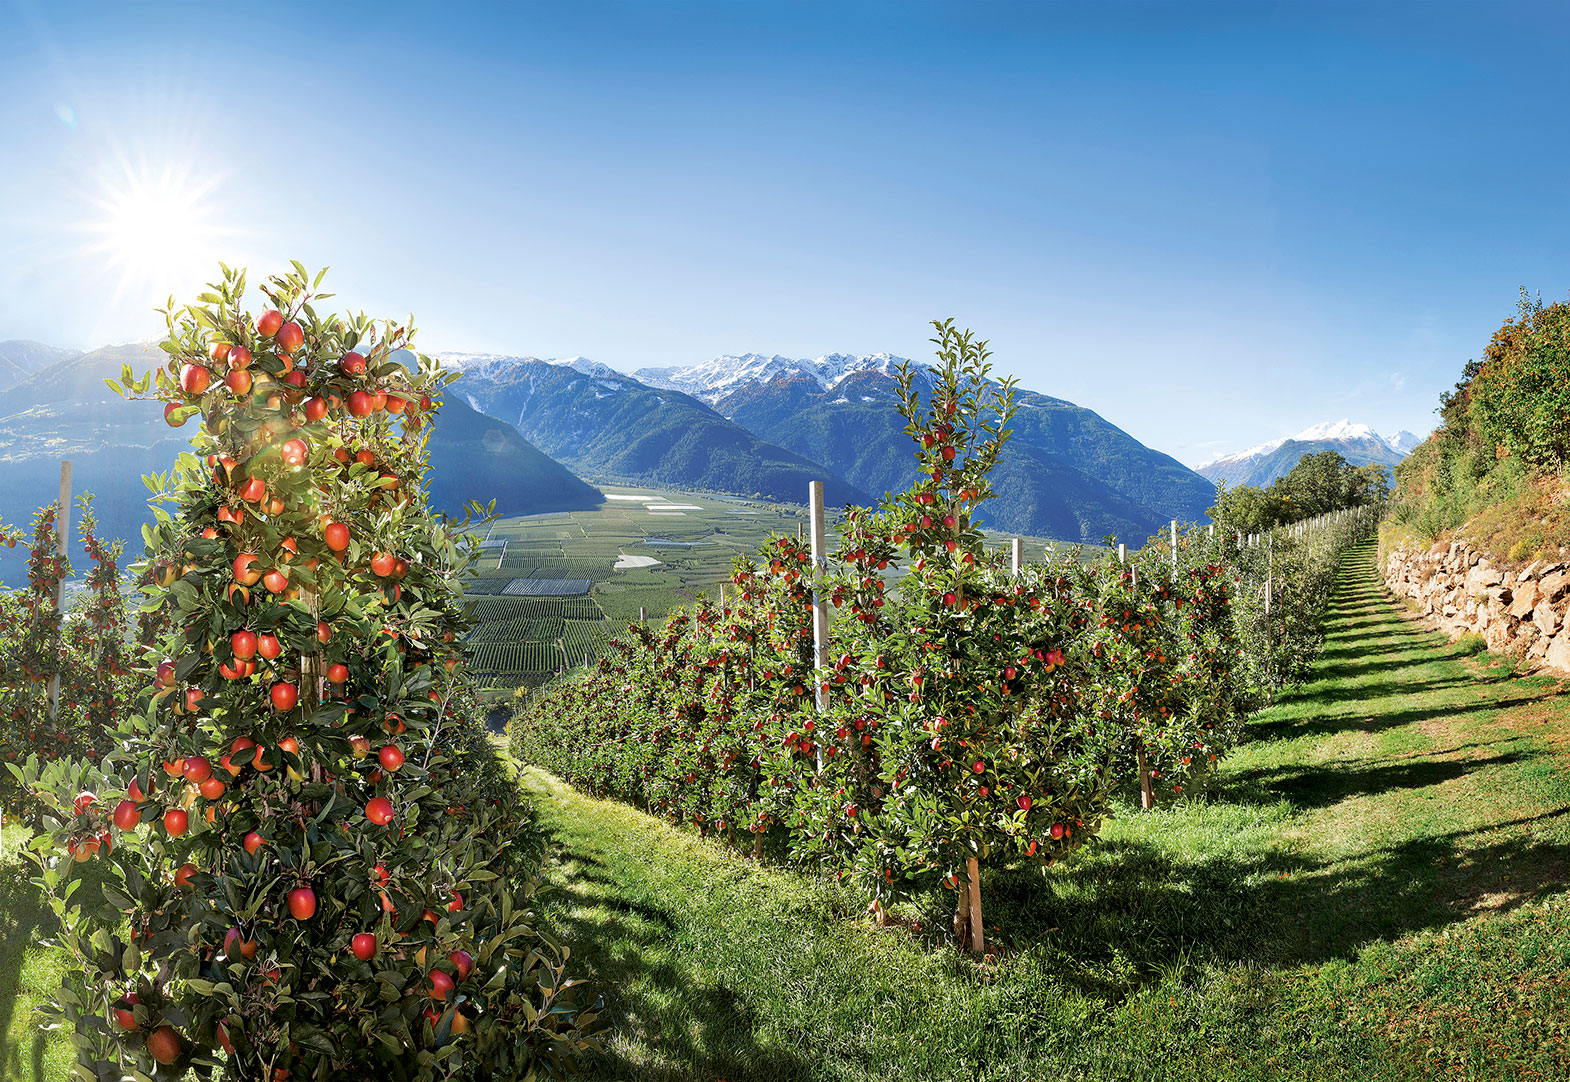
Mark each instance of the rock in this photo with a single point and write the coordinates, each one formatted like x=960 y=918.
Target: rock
x=1558 y=655
x=1552 y=587
x=1529 y=572
x=1524 y=599
x=1440 y=548
x=1546 y=619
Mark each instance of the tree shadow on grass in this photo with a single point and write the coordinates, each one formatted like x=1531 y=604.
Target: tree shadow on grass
x=703 y=1031
x=22 y=920
x=1323 y=784
x=1374 y=722
x=1131 y=908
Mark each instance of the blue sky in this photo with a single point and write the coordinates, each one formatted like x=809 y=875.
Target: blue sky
x=1214 y=224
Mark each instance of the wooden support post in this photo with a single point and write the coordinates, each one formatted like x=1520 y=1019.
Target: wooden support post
x=1017 y=555
x=62 y=541
x=1122 y=554
x=820 y=602
x=641 y=616
x=978 y=935
x=1174 y=546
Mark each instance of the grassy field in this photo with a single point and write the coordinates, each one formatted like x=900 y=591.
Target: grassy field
x=1374 y=889
x=644 y=550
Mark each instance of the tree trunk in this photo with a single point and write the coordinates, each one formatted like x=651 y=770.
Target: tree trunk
x=1147 y=795
x=757 y=845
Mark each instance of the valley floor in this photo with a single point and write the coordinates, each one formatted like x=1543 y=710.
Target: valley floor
x=1374 y=888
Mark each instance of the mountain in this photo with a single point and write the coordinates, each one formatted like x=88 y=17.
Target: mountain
x=20 y=358
x=65 y=411
x=1066 y=472
x=1357 y=443
x=607 y=425
x=475 y=457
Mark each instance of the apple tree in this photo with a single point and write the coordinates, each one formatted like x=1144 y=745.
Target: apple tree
x=317 y=869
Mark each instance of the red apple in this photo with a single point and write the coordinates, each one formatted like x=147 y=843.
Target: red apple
x=246 y=573
x=337 y=674
x=164 y=1044
x=364 y=946
x=183 y=876
x=463 y=962
x=302 y=903
x=352 y=364
x=194 y=379
x=196 y=769
x=238 y=381
x=176 y=821
x=361 y=404
x=285 y=695
x=170 y=419
x=337 y=536
x=253 y=841
x=391 y=758
x=239 y=357
x=268 y=322
x=315 y=409
x=243 y=644
x=123 y=1016
x=127 y=816
x=441 y=984
x=290 y=337
x=267 y=644
x=379 y=810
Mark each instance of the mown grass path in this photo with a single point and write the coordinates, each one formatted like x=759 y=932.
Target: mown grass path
x=1374 y=888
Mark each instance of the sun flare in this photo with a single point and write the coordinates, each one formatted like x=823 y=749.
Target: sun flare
x=155 y=230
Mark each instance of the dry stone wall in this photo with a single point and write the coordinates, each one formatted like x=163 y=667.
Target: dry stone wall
x=1523 y=612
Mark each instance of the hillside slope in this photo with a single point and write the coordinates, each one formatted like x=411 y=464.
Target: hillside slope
x=611 y=426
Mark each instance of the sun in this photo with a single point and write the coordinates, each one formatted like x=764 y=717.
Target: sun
x=155 y=229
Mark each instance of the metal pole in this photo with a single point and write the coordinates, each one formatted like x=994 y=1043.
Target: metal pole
x=62 y=538
x=820 y=603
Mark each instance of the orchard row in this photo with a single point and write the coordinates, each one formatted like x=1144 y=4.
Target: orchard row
x=973 y=713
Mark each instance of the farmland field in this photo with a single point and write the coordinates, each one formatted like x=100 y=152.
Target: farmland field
x=549 y=590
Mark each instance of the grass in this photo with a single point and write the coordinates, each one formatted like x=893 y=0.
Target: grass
x=28 y=973
x=1373 y=889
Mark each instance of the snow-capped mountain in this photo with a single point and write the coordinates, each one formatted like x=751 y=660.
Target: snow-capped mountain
x=1357 y=443
x=714 y=379
x=488 y=364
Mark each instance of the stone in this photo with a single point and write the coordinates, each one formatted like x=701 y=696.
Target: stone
x=1558 y=655
x=1440 y=548
x=1546 y=619
x=1553 y=587
x=1524 y=598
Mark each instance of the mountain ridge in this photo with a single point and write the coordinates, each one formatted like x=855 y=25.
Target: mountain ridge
x=1359 y=444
